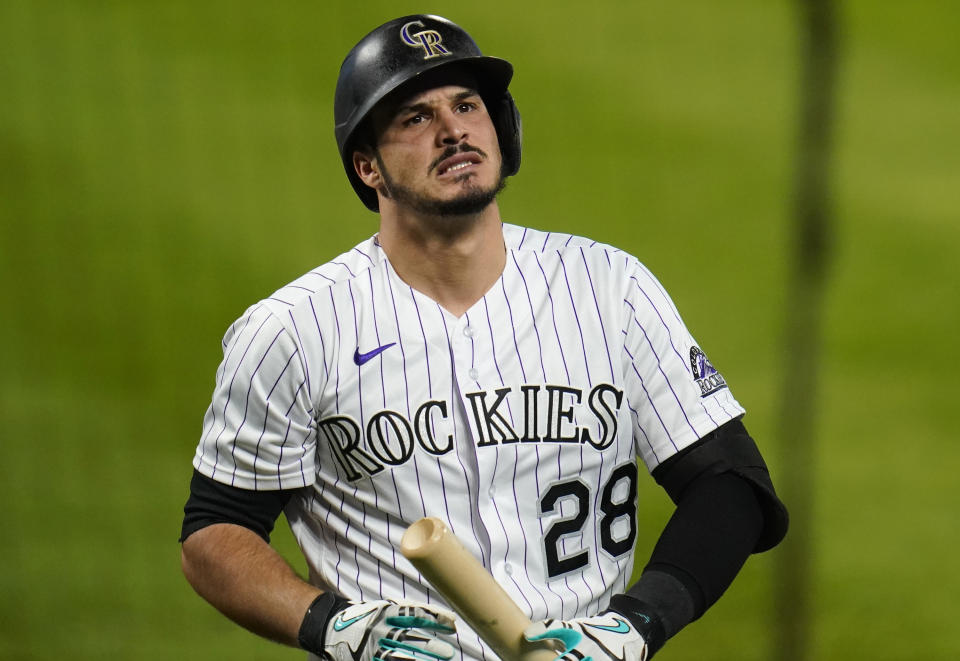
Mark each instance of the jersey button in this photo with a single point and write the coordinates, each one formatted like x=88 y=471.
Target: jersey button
x=508 y=569
x=468 y=331
x=473 y=374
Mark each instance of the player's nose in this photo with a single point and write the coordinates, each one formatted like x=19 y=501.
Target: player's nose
x=450 y=129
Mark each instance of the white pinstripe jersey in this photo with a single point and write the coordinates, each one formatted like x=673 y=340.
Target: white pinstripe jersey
x=519 y=423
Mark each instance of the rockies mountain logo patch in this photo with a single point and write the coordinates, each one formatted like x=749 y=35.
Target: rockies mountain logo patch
x=704 y=373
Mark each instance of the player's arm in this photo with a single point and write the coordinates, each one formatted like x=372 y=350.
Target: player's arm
x=247 y=580
x=227 y=558
x=726 y=509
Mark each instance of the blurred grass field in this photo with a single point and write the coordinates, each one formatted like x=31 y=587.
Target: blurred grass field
x=163 y=165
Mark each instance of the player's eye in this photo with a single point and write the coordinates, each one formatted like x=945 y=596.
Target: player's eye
x=466 y=106
x=413 y=120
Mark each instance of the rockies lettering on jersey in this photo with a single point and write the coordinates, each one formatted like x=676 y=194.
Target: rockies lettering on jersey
x=518 y=423
x=392 y=438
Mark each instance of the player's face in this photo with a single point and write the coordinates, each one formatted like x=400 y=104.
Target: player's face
x=437 y=152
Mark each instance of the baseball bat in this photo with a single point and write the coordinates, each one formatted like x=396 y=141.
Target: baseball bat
x=470 y=590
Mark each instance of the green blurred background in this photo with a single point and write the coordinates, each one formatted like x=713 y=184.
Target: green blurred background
x=165 y=164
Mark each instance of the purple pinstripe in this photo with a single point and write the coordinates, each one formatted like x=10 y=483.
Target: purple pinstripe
x=246 y=407
x=666 y=378
x=230 y=395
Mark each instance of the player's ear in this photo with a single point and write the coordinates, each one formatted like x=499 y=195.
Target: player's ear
x=367 y=167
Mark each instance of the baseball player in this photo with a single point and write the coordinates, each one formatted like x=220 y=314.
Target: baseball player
x=504 y=379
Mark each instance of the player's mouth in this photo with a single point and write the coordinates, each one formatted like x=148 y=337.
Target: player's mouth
x=459 y=162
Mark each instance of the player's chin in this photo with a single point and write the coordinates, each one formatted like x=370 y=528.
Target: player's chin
x=452 y=186
x=472 y=198
x=464 y=198
x=466 y=204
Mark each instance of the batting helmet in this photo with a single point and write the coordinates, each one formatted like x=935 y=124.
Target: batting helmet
x=397 y=53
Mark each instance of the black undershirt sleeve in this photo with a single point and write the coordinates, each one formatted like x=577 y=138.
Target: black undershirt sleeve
x=726 y=509
x=702 y=548
x=709 y=537
x=214 y=502
x=728 y=449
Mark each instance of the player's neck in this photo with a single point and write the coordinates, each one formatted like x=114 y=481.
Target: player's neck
x=454 y=261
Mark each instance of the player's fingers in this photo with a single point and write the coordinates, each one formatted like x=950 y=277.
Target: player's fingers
x=415 y=646
x=420 y=639
x=412 y=636
x=444 y=618
x=440 y=615
x=409 y=617
x=553 y=630
x=414 y=622
x=394 y=655
x=537 y=628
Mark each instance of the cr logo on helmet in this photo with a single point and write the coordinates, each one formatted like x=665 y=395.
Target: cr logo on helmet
x=429 y=40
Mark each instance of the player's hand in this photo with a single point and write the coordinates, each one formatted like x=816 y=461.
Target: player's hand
x=608 y=636
x=389 y=631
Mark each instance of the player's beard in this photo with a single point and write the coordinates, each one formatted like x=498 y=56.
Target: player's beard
x=471 y=201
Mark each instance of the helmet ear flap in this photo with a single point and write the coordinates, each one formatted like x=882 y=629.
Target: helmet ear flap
x=509 y=132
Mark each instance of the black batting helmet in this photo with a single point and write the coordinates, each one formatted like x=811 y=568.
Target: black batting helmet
x=398 y=52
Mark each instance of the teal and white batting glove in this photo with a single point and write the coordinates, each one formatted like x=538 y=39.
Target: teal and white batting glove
x=381 y=631
x=628 y=631
x=605 y=637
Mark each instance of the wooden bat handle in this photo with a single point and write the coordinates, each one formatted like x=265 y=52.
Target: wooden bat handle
x=470 y=590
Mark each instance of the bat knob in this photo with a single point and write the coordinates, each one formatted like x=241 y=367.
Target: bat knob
x=422 y=536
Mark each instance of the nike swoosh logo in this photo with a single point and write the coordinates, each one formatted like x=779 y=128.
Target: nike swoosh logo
x=361 y=358
x=340 y=624
x=622 y=627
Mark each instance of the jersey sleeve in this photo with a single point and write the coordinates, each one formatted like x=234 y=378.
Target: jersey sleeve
x=258 y=432
x=675 y=395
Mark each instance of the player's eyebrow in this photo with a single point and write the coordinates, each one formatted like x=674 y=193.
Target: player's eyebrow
x=416 y=107
x=465 y=94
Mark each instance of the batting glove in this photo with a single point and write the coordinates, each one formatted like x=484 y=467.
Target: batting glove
x=383 y=631
x=625 y=632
